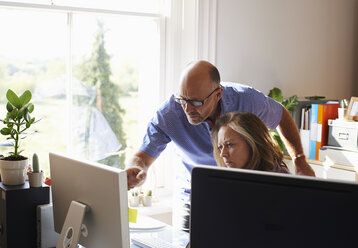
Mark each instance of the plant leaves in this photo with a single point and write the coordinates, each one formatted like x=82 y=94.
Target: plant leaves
x=291 y=103
x=27 y=116
x=5 y=131
x=276 y=94
x=278 y=139
x=13 y=113
x=13 y=98
x=25 y=98
x=9 y=107
x=30 y=107
x=21 y=112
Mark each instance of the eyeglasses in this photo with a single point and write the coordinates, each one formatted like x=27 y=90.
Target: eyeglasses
x=194 y=103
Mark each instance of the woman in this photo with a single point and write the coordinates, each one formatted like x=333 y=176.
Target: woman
x=242 y=140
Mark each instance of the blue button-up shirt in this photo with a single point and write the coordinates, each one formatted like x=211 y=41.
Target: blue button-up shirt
x=193 y=142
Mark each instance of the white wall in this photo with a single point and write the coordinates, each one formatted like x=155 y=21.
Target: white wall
x=304 y=47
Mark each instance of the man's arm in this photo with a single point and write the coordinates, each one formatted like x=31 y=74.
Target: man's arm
x=291 y=137
x=137 y=169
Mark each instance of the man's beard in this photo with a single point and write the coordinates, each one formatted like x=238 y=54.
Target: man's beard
x=194 y=118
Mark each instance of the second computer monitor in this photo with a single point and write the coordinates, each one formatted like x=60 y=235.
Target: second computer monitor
x=102 y=189
x=245 y=208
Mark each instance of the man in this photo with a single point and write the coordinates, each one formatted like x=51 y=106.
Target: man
x=187 y=119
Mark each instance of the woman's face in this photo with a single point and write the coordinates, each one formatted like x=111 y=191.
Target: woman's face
x=233 y=148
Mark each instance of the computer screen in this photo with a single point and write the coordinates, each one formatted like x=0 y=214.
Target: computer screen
x=102 y=189
x=246 y=208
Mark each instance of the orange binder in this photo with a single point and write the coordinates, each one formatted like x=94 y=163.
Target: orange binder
x=325 y=112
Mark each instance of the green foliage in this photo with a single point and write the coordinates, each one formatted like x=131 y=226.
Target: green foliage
x=290 y=104
x=149 y=193
x=135 y=193
x=276 y=94
x=18 y=118
x=96 y=72
x=35 y=163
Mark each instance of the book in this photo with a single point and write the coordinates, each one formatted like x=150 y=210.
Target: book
x=325 y=112
x=305 y=139
x=313 y=131
x=305 y=114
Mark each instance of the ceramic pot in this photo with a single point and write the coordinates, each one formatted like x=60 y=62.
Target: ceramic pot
x=134 y=201
x=35 y=179
x=13 y=172
x=147 y=200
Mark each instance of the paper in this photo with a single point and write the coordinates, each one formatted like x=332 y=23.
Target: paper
x=132 y=215
x=354 y=110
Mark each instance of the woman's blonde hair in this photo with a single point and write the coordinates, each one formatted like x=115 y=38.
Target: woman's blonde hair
x=264 y=149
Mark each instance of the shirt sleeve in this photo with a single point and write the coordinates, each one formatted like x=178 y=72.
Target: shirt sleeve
x=267 y=109
x=155 y=139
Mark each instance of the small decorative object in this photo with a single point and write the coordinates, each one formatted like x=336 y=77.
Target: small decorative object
x=147 y=199
x=342 y=110
x=134 y=199
x=315 y=97
x=17 y=121
x=352 y=112
x=35 y=175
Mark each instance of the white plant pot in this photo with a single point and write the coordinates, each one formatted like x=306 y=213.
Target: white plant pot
x=134 y=201
x=147 y=201
x=35 y=179
x=13 y=172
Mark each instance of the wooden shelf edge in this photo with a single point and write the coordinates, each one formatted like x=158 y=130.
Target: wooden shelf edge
x=317 y=162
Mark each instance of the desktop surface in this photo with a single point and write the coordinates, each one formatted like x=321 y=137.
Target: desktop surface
x=168 y=233
x=240 y=208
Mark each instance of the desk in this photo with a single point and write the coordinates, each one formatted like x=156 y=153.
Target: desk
x=168 y=233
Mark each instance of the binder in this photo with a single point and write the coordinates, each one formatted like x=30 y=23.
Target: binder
x=325 y=112
x=313 y=131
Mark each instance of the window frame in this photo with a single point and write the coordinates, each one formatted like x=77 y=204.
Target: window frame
x=187 y=33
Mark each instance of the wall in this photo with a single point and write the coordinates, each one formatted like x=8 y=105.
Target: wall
x=304 y=47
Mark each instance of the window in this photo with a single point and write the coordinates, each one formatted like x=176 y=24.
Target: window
x=50 y=47
x=86 y=69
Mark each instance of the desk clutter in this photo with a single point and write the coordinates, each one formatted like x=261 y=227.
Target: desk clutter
x=329 y=131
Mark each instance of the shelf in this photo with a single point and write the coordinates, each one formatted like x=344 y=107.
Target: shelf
x=317 y=162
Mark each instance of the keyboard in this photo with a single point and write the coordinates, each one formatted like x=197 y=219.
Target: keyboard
x=151 y=242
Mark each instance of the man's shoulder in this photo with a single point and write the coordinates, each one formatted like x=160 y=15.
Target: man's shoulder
x=238 y=87
x=231 y=88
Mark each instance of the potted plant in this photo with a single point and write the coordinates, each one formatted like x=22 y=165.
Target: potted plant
x=17 y=121
x=134 y=198
x=147 y=198
x=290 y=104
x=35 y=175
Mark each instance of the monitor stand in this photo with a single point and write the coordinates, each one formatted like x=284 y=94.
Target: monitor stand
x=72 y=228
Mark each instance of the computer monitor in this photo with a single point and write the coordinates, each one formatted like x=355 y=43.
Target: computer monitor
x=246 y=208
x=92 y=200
